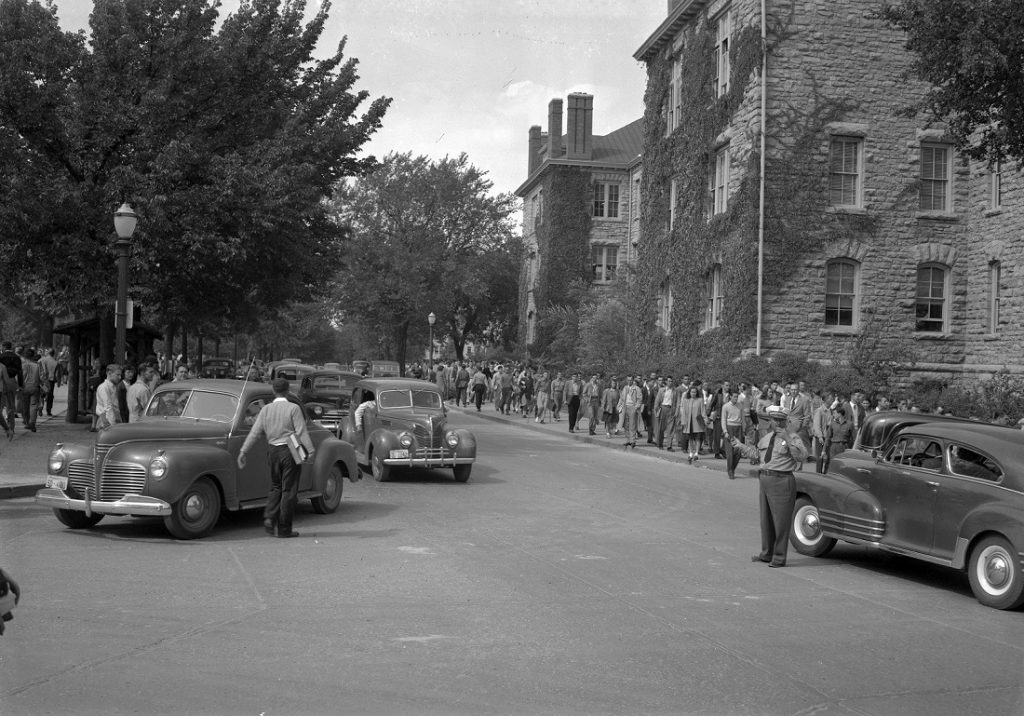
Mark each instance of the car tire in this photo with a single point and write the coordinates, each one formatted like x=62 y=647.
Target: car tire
x=77 y=520
x=995 y=574
x=806 y=536
x=380 y=471
x=328 y=502
x=462 y=472
x=196 y=513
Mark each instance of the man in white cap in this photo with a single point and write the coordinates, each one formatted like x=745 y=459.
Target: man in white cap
x=780 y=453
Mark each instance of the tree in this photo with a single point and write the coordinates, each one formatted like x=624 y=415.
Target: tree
x=226 y=140
x=427 y=236
x=971 y=53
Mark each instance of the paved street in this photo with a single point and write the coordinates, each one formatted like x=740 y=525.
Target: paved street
x=566 y=577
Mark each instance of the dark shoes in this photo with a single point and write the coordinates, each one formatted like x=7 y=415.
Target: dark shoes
x=291 y=533
x=759 y=558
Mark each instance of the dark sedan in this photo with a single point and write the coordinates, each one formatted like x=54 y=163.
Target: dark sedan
x=326 y=394
x=950 y=493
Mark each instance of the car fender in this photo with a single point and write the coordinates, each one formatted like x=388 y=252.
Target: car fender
x=987 y=519
x=186 y=462
x=383 y=440
x=467 y=443
x=331 y=451
x=845 y=509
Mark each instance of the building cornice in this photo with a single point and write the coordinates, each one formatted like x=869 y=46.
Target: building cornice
x=527 y=185
x=682 y=14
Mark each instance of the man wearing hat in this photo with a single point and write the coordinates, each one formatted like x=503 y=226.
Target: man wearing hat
x=780 y=452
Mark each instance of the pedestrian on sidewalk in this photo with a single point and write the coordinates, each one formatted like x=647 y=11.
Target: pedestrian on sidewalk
x=692 y=424
x=12 y=384
x=49 y=366
x=573 y=394
x=31 y=389
x=630 y=404
x=732 y=427
x=610 y=407
x=557 y=396
x=107 y=411
x=479 y=387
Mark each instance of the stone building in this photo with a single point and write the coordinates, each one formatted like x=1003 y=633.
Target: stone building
x=788 y=204
x=580 y=206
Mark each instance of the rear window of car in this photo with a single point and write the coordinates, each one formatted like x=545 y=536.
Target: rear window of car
x=916 y=451
x=967 y=462
x=327 y=382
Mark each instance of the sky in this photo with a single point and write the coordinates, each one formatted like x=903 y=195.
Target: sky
x=473 y=75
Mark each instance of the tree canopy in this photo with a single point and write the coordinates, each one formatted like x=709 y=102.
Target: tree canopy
x=427 y=237
x=971 y=52
x=226 y=139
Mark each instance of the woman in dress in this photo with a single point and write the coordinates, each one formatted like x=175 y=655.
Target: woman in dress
x=692 y=423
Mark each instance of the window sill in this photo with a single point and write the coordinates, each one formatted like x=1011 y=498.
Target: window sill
x=606 y=218
x=930 y=336
x=992 y=212
x=850 y=210
x=991 y=337
x=838 y=331
x=937 y=216
x=705 y=331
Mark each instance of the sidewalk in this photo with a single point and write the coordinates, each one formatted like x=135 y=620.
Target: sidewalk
x=615 y=442
x=23 y=459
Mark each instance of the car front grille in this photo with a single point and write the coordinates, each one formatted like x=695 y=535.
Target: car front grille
x=117 y=480
x=429 y=453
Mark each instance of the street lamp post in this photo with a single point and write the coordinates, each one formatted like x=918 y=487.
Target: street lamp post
x=124 y=224
x=431 y=319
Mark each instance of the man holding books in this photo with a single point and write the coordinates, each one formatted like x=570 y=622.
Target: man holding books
x=284 y=427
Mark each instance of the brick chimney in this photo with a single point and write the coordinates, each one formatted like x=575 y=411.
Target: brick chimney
x=579 y=131
x=554 y=129
x=533 y=160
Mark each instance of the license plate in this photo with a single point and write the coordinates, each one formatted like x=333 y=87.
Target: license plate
x=399 y=454
x=58 y=481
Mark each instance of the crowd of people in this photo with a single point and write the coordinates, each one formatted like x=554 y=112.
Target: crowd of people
x=681 y=413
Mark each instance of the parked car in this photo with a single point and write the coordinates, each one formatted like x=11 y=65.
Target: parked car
x=384 y=369
x=326 y=395
x=218 y=368
x=879 y=427
x=179 y=462
x=292 y=372
x=406 y=427
x=950 y=493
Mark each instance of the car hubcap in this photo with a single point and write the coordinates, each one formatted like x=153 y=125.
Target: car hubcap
x=330 y=488
x=997 y=570
x=810 y=528
x=194 y=507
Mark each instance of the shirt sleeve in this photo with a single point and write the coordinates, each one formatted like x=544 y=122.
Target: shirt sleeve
x=255 y=433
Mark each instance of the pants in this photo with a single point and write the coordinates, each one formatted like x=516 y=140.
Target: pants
x=504 y=399
x=460 y=396
x=732 y=456
x=648 y=423
x=715 y=446
x=630 y=423
x=9 y=401
x=556 y=409
x=777 y=500
x=48 y=398
x=284 y=486
x=478 y=395
x=574 y=411
x=594 y=416
x=29 y=407
x=666 y=426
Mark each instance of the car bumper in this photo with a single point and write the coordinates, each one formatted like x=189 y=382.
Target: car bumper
x=428 y=461
x=127 y=505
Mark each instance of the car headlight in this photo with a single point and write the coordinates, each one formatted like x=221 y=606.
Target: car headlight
x=452 y=439
x=405 y=440
x=57 y=461
x=158 y=467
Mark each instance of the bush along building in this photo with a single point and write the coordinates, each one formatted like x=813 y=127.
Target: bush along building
x=580 y=218
x=787 y=204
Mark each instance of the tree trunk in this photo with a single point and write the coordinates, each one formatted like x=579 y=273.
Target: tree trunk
x=401 y=340
x=74 y=378
x=184 y=343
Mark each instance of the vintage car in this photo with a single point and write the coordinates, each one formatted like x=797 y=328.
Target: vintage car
x=292 y=372
x=405 y=425
x=218 y=368
x=326 y=395
x=878 y=427
x=950 y=493
x=180 y=462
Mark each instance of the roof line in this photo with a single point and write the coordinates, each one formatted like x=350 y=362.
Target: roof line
x=680 y=15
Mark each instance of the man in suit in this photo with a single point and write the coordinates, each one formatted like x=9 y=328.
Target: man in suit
x=855 y=410
x=665 y=404
x=800 y=411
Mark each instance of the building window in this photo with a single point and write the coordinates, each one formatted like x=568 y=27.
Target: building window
x=995 y=186
x=844 y=182
x=931 y=311
x=994 y=276
x=675 y=96
x=713 y=294
x=673 y=198
x=719 y=180
x=605 y=259
x=841 y=293
x=665 y=306
x=724 y=28
x=606 y=200
x=936 y=177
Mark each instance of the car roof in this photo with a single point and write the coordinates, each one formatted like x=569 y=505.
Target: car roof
x=218 y=385
x=332 y=371
x=998 y=440
x=378 y=384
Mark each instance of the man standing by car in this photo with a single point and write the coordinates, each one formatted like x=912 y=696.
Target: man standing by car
x=781 y=452
x=278 y=422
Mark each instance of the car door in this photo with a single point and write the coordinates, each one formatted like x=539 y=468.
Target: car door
x=907 y=491
x=970 y=480
x=253 y=479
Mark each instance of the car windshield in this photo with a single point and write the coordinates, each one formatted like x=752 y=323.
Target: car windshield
x=409 y=399
x=198 y=404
